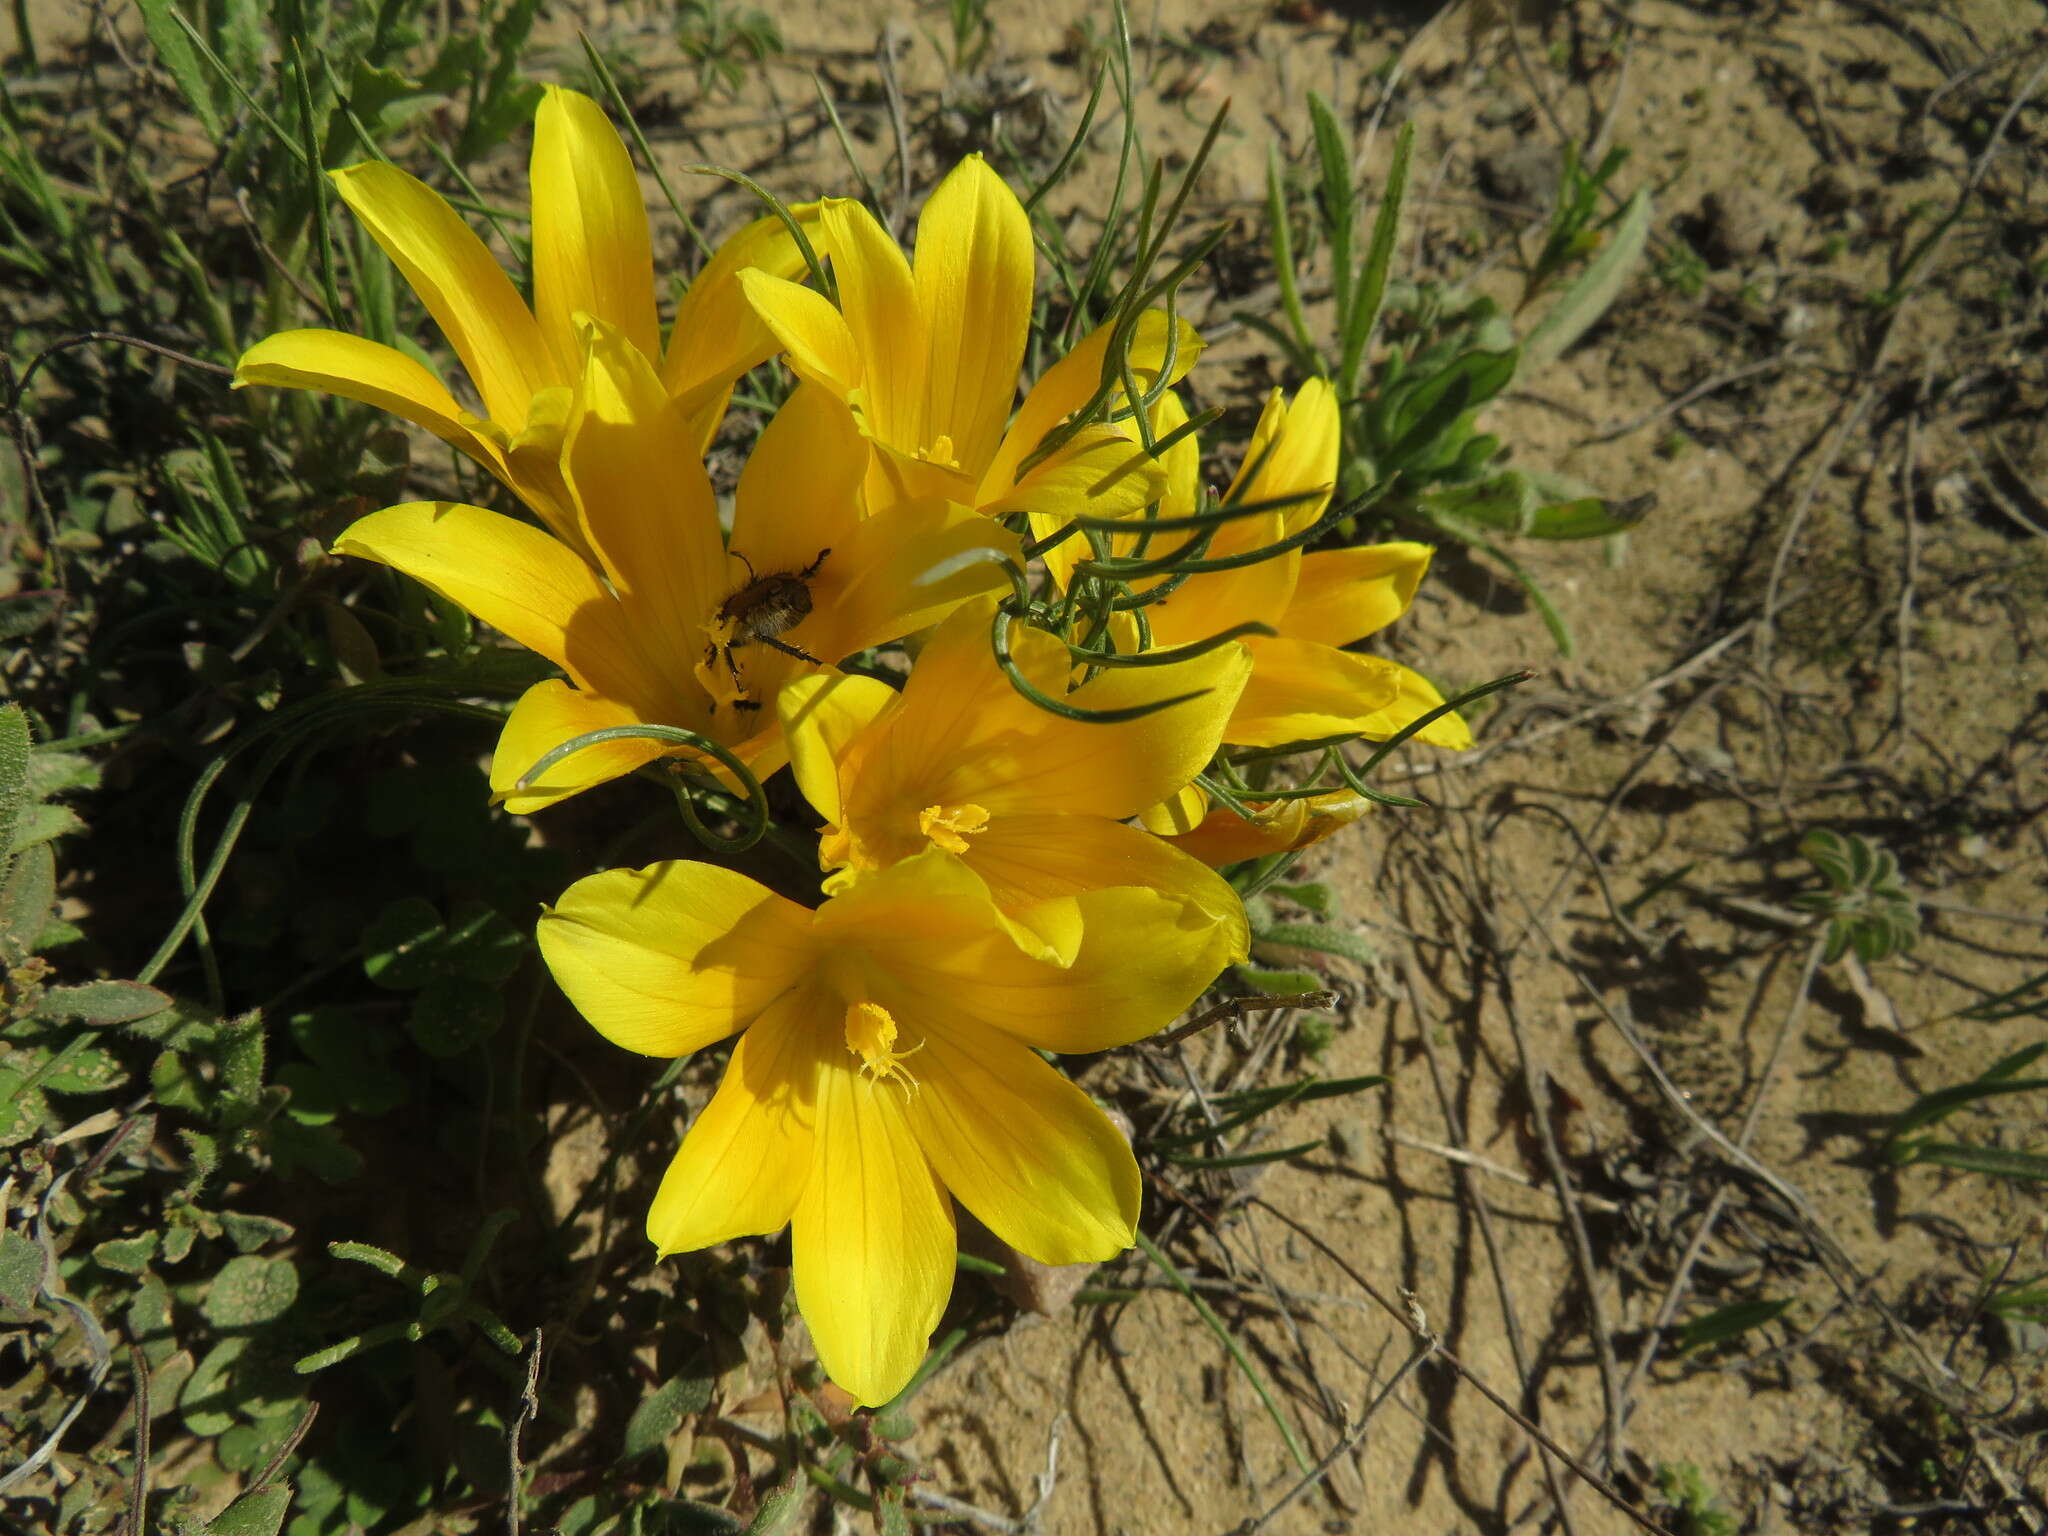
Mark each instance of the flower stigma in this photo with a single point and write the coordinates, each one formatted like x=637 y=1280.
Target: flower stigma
x=949 y=826
x=871 y=1035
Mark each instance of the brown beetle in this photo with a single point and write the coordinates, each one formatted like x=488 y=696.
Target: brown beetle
x=762 y=610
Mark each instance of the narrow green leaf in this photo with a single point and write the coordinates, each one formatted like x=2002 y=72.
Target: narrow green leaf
x=27 y=894
x=15 y=743
x=101 y=1003
x=781 y=1512
x=1597 y=287
x=1930 y=1108
x=174 y=46
x=1229 y=1342
x=2031 y=1166
x=1243 y=1159
x=1379 y=257
x=1316 y=936
x=662 y=1411
x=1728 y=1322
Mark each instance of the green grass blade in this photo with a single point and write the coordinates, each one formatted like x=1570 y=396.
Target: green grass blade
x=1371 y=294
x=1597 y=288
x=1229 y=1340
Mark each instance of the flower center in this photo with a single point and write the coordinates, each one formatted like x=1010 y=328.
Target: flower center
x=948 y=826
x=871 y=1035
x=941 y=452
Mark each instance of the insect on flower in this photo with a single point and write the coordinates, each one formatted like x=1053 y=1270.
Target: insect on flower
x=763 y=610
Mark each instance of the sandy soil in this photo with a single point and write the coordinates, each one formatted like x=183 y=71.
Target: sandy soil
x=1828 y=620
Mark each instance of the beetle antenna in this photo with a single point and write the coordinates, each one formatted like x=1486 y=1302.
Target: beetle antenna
x=743 y=560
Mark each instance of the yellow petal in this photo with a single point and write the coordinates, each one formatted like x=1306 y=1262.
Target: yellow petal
x=717 y=335
x=1301 y=691
x=591 y=252
x=973 y=276
x=965 y=735
x=548 y=714
x=800 y=490
x=1417 y=696
x=515 y=578
x=1292 y=453
x=665 y=960
x=928 y=930
x=646 y=505
x=1209 y=603
x=1176 y=814
x=1071 y=382
x=822 y=715
x=901 y=570
x=873 y=1240
x=1346 y=594
x=1024 y=1149
x=359 y=369
x=459 y=282
x=805 y=325
x=1099 y=472
x=1028 y=859
x=534 y=466
x=879 y=300
x=745 y=1160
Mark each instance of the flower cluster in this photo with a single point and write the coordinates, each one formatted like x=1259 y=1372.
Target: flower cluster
x=1005 y=650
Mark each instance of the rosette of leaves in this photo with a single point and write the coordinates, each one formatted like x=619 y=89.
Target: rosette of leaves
x=1413 y=448
x=1866 y=904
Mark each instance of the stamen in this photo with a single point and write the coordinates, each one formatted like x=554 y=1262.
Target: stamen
x=949 y=826
x=871 y=1035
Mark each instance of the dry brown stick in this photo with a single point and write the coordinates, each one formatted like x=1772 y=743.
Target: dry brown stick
x=1484 y=1165
x=1842 y=1270
x=1426 y=1344
x=1683 y=670
x=1517 y=1346
x=1678 y=403
x=1522 y=1421
x=1667 y=1308
x=1846 y=423
x=1611 y=1398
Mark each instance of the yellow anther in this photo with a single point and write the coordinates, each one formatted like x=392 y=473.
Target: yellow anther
x=941 y=452
x=948 y=826
x=871 y=1035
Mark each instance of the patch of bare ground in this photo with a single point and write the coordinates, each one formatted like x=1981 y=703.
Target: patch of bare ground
x=1625 y=1091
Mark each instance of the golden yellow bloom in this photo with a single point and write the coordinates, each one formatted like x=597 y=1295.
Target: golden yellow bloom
x=928 y=353
x=886 y=1070
x=663 y=624
x=1034 y=803
x=1304 y=684
x=591 y=257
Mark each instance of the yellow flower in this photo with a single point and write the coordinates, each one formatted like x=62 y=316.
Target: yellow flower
x=1304 y=684
x=1034 y=803
x=928 y=353
x=591 y=257
x=887 y=1069
x=663 y=624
